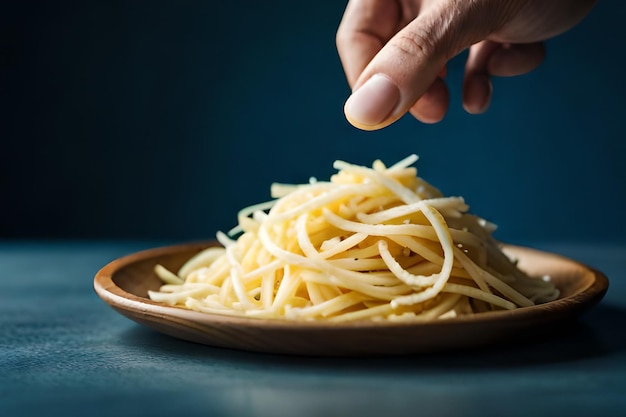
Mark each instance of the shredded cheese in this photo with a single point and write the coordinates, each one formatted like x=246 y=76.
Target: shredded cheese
x=370 y=244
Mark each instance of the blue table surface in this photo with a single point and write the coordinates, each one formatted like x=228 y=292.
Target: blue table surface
x=64 y=351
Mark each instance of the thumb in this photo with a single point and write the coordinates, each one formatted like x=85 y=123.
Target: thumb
x=406 y=67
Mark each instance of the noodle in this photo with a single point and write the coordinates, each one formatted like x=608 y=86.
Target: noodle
x=370 y=244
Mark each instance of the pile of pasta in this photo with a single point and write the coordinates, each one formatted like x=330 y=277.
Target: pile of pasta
x=375 y=243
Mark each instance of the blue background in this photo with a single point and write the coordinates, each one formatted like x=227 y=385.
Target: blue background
x=160 y=119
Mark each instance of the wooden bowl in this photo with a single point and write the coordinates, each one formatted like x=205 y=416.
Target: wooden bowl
x=124 y=284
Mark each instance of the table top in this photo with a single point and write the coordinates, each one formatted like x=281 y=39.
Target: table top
x=64 y=351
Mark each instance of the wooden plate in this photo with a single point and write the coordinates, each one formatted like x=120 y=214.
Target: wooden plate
x=124 y=284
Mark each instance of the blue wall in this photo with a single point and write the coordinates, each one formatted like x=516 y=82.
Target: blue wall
x=160 y=119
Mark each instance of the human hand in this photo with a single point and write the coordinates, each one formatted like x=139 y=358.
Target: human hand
x=394 y=52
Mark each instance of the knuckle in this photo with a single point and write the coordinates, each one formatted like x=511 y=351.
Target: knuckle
x=412 y=44
x=339 y=39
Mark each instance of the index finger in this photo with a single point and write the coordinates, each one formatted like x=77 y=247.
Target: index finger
x=365 y=28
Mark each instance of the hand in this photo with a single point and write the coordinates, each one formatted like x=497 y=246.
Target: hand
x=394 y=52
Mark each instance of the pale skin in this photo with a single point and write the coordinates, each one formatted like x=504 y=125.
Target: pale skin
x=394 y=52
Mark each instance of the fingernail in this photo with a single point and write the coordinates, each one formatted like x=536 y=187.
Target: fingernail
x=373 y=102
x=477 y=94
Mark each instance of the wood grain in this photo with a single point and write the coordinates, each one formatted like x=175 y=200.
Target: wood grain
x=124 y=283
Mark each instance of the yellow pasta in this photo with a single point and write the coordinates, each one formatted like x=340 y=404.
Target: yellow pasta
x=375 y=243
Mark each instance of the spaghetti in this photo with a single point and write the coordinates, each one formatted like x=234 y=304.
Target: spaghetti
x=375 y=243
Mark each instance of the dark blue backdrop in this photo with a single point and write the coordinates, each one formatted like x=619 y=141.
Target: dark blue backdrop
x=160 y=119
